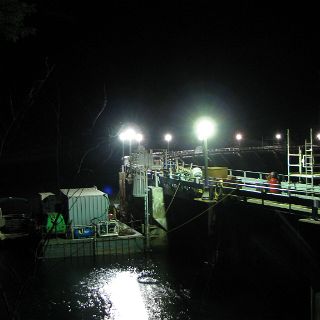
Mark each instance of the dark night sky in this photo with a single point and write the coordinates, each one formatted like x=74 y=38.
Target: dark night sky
x=251 y=67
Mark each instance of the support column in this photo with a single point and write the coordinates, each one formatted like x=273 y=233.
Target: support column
x=206 y=189
x=213 y=241
x=122 y=189
x=314 y=304
x=146 y=213
x=211 y=221
x=315 y=208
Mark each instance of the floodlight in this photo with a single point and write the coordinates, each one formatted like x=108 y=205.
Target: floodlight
x=130 y=134
x=139 y=137
x=204 y=128
x=123 y=136
x=168 y=137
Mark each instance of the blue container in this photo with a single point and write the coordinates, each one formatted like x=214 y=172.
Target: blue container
x=83 y=232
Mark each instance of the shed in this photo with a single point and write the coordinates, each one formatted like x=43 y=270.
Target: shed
x=48 y=202
x=85 y=205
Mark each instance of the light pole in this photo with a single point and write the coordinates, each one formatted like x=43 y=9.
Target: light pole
x=168 y=138
x=122 y=137
x=239 y=138
x=278 y=137
x=204 y=129
x=130 y=135
x=127 y=135
x=139 y=138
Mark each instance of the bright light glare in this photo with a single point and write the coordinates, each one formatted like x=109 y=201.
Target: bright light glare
x=126 y=297
x=130 y=133
x=127 y=135
x=168 y=137
x=121 y=294
x=278 y=136
x=318 y=136
x=204 y=128
x=238 y=136
x=122 y=136
x=139 y=137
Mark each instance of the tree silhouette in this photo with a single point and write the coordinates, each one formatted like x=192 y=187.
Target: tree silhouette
x=13 y=14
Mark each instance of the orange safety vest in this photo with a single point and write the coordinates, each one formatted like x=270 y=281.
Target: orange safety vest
x=273 y=184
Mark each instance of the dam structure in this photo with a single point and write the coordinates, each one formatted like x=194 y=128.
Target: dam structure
x=220 y=209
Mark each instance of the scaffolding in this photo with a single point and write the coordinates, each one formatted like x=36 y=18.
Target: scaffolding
x=308 y=163
x=304 y=162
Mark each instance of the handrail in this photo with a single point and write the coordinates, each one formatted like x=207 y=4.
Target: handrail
x=259 y=185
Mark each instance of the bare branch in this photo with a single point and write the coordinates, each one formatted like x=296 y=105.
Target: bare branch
x=36 y=89
x=18 y=117
x=12 y=109
x=86 y=153
x=105 y=100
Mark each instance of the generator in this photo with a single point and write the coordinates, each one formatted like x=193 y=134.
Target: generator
x=107 y=228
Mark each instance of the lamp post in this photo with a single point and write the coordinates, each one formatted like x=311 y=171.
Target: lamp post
x=168 y=138
x=139 y=138
x=239 y=138
x=130 y=135
x=204 y=129
x=122 y=137
x=278 y=137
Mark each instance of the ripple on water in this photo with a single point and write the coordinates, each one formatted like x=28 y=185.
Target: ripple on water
x=123 y=293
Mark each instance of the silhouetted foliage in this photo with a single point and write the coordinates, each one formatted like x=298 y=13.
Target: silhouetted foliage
x=12 y=19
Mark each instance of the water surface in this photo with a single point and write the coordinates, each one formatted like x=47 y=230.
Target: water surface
x=157 y=286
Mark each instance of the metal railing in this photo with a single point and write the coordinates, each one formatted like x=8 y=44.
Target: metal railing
x=253 y=181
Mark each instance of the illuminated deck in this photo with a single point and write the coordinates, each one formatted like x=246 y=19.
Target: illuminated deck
x=292 y=198
x=293 y=193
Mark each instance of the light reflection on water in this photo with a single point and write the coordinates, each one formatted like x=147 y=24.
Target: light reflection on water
x=155 y=289
x=122 y=293
x=118 y=292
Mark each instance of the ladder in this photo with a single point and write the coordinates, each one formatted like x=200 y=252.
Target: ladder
x=308 y=163
x=304 y=161
x=294 y=160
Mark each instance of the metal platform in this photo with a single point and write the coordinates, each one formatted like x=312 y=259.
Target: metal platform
x=280 y=205
x=116 y=245
x=298 y=175
x=253 y=191
x=311 y=221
